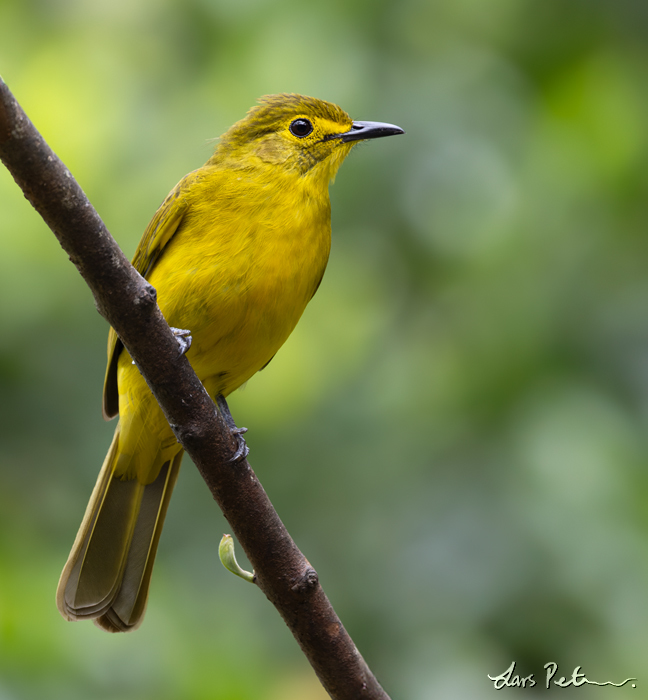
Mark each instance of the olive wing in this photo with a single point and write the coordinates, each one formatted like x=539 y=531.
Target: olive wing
x=158 y=233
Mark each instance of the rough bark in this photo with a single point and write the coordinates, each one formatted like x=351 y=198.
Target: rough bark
x=128 y=303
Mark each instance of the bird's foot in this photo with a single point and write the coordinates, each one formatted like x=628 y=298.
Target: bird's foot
x=184 y=339
x=242 y=450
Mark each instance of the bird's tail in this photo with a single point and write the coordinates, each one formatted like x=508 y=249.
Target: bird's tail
x=107 y=574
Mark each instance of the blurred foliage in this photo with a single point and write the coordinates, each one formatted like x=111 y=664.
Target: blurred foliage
x=455 y=434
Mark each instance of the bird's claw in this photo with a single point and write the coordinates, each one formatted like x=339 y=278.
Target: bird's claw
x=184 y=339
x=242 y=450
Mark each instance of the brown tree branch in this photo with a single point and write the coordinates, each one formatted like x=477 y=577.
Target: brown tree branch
x=128 y=303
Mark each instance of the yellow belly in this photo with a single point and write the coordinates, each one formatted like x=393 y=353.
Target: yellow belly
x=240 y=286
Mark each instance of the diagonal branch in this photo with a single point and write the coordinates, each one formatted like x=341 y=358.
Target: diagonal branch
x=128 y=303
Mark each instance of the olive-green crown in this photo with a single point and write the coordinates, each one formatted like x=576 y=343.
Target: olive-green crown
x=273 y=110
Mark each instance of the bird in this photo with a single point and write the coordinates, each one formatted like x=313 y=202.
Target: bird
x=236 y=251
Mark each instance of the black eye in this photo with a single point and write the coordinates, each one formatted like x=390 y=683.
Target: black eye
x=301 y=128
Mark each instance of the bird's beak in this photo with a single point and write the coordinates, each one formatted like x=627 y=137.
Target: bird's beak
x=369 y=130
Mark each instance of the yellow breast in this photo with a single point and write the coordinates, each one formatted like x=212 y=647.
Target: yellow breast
x=241 y=269
x=238 y=273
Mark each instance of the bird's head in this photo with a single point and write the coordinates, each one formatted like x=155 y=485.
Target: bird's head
x=297 y=133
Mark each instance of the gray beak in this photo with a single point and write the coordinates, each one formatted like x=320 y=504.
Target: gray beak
x=370 y=130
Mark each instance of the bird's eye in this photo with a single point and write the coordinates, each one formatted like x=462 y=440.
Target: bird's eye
x=301 y=128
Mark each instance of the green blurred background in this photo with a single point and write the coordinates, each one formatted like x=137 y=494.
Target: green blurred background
x=455 y=434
